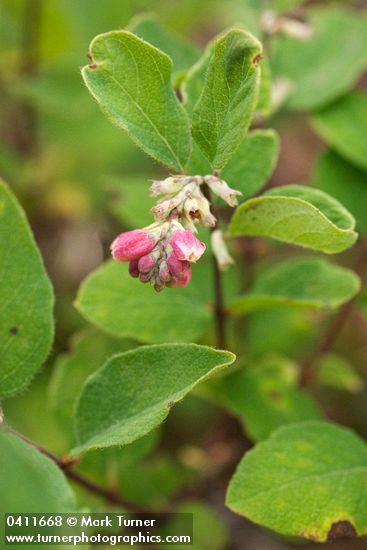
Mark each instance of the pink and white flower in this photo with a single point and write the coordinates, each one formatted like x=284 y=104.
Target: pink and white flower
x=186 y=246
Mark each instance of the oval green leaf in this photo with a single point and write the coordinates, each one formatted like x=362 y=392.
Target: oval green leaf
x=223 y=111
x=308 y=480
x=131 y=81
x=26 y=313
x=343 y=126
x=124 y=307
x=88 y=351
x=328 y=64
x=301 y=284
x=134 y=391
x=299 y=215
x=345 y=182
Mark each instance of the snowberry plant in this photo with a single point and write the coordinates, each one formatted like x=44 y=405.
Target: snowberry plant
x=220 y=287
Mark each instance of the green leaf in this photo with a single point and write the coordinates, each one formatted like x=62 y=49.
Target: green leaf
x=223 y=112
x=88 y=351
x=26 y=318
x=148 y=27
x=193 y=82
x=308 y=480
x=253 y=162
x=124 y=307
x=299 y=215
x=300 y=284
x=343 y=126
x=344 y=182
x=328 y=64
x=131 y=80
x=134 y=391
x=265 y=396
x=336 y=372
x=30 y=481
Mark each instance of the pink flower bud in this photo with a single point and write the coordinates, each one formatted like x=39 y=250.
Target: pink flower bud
x=133 y=268
x=186 y=246
x=164 y=272
x=144 y=277
x=146 y=263
x=132 y=245
x=184 y=279
x=177 y=267
x=158 y=285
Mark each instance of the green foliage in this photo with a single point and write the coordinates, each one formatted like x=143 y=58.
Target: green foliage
x=88 y=351
x=30 y=481
x=300 y=283
x=298 y=215
x=266 y=396
x=307 y=480
x=131 y=80
x=223 y=111
x=345 y=182
x=286 y=332
x=325 y=66
x=26 y=318
x=132 y=201
x=150 y=29
x=336 y=372
x=134 y=391
x=152 y=483
x=123 y=307
x=343 y=126
x=253 y=162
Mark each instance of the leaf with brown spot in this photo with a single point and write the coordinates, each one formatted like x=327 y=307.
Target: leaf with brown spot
x=308 y=479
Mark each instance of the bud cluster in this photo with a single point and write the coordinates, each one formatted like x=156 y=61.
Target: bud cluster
x=183 y=198
x=161 y=253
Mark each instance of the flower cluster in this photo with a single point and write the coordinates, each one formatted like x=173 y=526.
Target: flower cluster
x=162 y=252
x=159 y=254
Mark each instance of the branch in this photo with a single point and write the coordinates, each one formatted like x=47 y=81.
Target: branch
x=310 y=364
x=66 y=466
